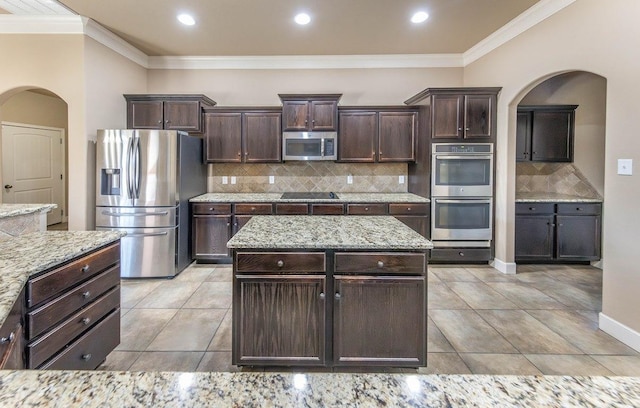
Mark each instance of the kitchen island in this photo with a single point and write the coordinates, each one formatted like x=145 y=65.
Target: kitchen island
x=329 y=291
x=20 y=219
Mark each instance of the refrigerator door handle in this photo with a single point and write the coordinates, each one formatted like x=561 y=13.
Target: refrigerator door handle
x=151 y=214
x=148 y=234
x=129 y=167
x=138 y=159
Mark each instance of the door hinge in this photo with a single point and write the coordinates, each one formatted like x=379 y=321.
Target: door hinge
x=61 y=177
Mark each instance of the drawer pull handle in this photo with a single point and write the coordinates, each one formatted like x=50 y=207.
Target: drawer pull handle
x=578 y=208
x=461 y=253
x=86 y=357
x=408 y=208
x=337 y=296
x=8 y=339
x=210 y=208
x=280 y=263
x=86 y=294
x=85 y=268
x=366 y=208
x=86 y=321
x=380 y=264
x=532 y=208
x=322 y=296
x=253 y=208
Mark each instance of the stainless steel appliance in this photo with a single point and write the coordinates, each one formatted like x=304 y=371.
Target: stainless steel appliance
x=309 y=146
x=145 y=179
x=462 y=194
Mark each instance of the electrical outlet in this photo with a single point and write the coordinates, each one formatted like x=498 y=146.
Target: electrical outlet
x=272 y=179
x=225 y=180
x=625 y=167
x=400 y=179
x=233 y=179
x=349 y=179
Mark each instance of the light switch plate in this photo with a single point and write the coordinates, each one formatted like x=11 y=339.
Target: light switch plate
x=225 y=180
x=233 y=179
x=400 y=179
x=349 y=179
x=625 y=167
x=272 y=179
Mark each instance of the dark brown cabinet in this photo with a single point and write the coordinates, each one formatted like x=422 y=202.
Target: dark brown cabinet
x=545 y=133
x=211 y=229
x=460 y=113
x=168 y=112
x=558 y=232
x=380 y=135
x=414 y=215
x=248 y=135
x=12 y=339
x=318 y=112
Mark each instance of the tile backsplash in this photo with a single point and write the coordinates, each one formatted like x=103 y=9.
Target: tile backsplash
x=307 y=176
x=562 y=178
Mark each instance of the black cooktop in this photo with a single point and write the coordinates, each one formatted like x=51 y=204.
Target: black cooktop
x=308 y=196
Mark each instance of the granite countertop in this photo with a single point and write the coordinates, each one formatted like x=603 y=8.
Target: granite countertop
x=342 y=198
x=12 y=210
x=554 y=198
x=164 y=389
x=25 y=255
x=327 y=232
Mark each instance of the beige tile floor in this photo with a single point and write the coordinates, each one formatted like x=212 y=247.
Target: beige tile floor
x=543 y=320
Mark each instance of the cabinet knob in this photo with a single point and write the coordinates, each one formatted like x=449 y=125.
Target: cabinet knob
x=86 y=357
x=85 y=268
x=167 y=121
x=228 y=224
x=210 y=208
x=253 y=209
x=408 y=208
x=235 y=224
x=366 y=208
x=380 y=264
x=280 y=263
x=322 y=296
x=459 y=129
x=461 y=253
x=159 y=122
x=578 y=208
x=532 y=208
x=8 y=339
x=86 y=321
x=467 y=129
x=86 y=294
x=313 y=121
x=239 y=154
x=337 y=296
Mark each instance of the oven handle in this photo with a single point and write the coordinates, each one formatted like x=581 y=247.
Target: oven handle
x=470 y=157
x=470 y=201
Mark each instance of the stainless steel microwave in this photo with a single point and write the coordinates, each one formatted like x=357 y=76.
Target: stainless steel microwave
x=309 y=146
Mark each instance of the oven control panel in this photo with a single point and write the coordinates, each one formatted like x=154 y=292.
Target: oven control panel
x=463 y=148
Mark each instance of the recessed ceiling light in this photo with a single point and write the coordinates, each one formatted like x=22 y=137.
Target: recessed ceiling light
x=419 y=17
x=302 y=18
x=186 y=19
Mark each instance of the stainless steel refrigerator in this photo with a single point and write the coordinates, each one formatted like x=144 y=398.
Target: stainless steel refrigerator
x=145 y=179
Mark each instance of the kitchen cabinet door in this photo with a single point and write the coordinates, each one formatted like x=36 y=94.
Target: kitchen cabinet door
x=578 y=237
x=523 y=137
x=12 y=338
x=324 y=115
x=223 y=137
x=182 y=115
x=379 y=319
x=418 y=223
x=145 y=115
x=534 y=237
x=447 y=116
x=552 y=136
x=280 y=318
x=478 y=116
x=295 y=115
x=262 y=137
x=397 y=136
x=210 y=236
x=357 y=136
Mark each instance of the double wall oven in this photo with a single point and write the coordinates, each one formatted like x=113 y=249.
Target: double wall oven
x=462 y=194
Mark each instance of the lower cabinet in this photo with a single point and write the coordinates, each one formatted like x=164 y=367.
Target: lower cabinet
x=210 y=230
x=12 y=338
x=329 y=308
x=558 y=232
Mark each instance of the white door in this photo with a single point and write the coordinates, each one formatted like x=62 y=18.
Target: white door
x=32 y=167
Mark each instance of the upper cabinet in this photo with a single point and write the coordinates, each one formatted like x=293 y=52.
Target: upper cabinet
x=545 y=133
x=168 y=112
x=460 y=113
x=310 y=112
x=249 y=135
x=377 y=134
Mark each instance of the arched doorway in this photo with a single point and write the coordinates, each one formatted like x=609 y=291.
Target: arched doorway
x=34 y=159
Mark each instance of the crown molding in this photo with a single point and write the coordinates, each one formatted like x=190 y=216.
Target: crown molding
x=115 y=43
x=36 y=24
x=309 y=61
x=529 y=18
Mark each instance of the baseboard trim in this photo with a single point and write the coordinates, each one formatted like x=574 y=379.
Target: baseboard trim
x=620 y=331
x=508 y=268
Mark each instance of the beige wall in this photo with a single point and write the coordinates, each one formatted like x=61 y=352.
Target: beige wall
x=598 y=37
x=261 y=87
x=589 y=91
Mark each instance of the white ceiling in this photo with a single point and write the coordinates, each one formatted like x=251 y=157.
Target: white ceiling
x=266 y=28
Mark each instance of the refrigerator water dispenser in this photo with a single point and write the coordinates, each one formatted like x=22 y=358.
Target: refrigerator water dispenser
x=110 y=182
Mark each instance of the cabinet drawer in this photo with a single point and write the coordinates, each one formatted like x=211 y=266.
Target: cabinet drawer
x=280 y=262
x=92 y=348
x=461 y=255
x=211 y=208
x=252 y=209
x=292 y=209
x=580 y=208
x=366 y=209
x=380 y=263
x=409 y=209
x=535 y=208
x=49 y=314
x=46 y=346
x=327 y=209
x=51 y=283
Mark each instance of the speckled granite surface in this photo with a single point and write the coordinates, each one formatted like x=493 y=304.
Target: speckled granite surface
x=158 y=389
x=25 y=255
x=327 y=231
x=11 y=210
x=342 y=198
x=553 y=198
